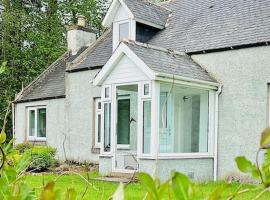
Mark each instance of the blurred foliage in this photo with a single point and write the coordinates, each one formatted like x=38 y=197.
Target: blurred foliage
x=32 y=36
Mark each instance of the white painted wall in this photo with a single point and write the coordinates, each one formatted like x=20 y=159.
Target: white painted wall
x=79 y=106
x=243 y=103
x=55 y=123
x=70 y=119
x=125 y=71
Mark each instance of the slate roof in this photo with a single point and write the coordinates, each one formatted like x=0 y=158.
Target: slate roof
x=170 y=62
x=96 y=55
x=198 y=25
x=191 y=26
x=51 y=83
x=146 y=11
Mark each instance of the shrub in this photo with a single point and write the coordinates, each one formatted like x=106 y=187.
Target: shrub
x=42 y=158
x=23 y=147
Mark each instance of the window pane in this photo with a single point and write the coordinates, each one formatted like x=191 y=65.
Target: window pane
x=107 y=126
x=123 y=121
x=146 y=126
x=99 y=128
x=183 y=120
x=107 y=92
x=41 y=122
x=32 y=125
x=146 y=89
x=123 y=31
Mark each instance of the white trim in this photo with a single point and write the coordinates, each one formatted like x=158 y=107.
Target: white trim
x=97 y=113
x=122 y=50
x=210 y=133
x=116 y=32
x=114 y=145
x=155 y=119
x=189 y=81
x=104 y=91
x=176 y=157
x=123 y=146
x=35 y=137
x=150 y=89
x=216 y=133
x=115 y=5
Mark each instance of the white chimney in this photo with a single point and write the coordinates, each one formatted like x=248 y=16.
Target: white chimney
x=79 y=36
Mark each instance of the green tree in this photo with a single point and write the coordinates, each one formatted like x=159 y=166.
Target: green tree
x=32 y=36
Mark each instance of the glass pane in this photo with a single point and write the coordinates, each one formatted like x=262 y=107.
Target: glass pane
x=123 y=123
x=183 y=120
x=146 y=126
x=107 y=126
x=32 y=125
x=107 y=92
x=99 y=128
x=146 y=88
x=41 y=122
x=123 y=31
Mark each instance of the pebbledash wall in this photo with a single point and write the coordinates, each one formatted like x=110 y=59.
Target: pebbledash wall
x=55 y=122
x=70 y=120
x=243 y=103
x=79 y=106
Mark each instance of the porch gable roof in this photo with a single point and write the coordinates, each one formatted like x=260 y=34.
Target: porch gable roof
x=156 y=62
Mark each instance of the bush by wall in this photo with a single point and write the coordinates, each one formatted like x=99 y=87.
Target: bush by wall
x=41 y=157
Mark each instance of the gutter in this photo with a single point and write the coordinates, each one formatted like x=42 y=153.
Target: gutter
x=216 y=132
x=39 y=99
x=211 y=85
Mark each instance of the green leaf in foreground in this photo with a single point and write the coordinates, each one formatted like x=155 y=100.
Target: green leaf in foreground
x=265 y=139
x=181 y=186
x=3 y=137
x=149 y=184
x=246 y=166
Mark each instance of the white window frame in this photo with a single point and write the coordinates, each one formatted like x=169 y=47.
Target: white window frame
x=35 y=137
x=148 y=96
x=103 y=93
x=210 y=134
x=123 y=146
x=116 y=31
x=98 y=111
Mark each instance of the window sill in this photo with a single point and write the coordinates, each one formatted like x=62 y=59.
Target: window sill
x=176 y=157
x=37 y=139
x=185 y=156
x=105 y=156
x=96 y=150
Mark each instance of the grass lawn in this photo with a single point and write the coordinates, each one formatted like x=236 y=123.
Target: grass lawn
x=132 y=191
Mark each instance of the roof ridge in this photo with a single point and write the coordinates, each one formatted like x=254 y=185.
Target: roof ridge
x=89 y=49
x=28 y=88
x=154 y=47
x=156 y=5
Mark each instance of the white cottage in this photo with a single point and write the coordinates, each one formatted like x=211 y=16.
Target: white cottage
x=182 y=85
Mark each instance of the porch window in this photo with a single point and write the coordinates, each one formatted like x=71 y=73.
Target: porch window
x=97 y=122
x=107 y=127
x=37 y=123
x=183 y=123
x=146 y=126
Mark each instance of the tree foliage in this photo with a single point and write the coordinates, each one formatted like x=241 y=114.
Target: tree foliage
x=32 y=36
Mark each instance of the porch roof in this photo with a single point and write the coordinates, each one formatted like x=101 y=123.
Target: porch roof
x=157 y=62
x=167 y=61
